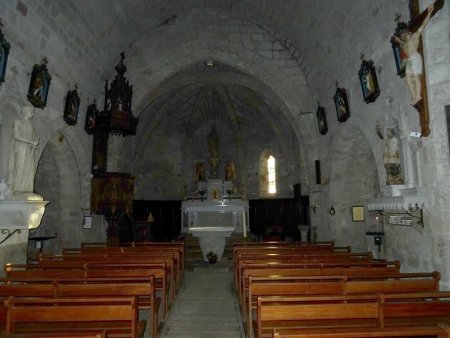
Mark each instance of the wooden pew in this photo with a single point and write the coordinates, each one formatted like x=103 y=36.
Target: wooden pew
x=106 y=287
x=143 y=288
x=99 y=270
x=296 y=256
x=114 y=315
x=310 y=269
x=176 y=247
x=350 y=311
x=78 y=261
x=159 y=271
x=176 y=251
x=286 y=248
x=439 y=330
x=86 y=334
x=329 y=285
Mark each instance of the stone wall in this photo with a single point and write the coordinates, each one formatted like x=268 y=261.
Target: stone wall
x=290 y=55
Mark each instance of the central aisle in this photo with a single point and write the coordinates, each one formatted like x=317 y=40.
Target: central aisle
x=206 y=306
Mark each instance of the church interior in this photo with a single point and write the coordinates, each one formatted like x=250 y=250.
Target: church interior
x=140 y=127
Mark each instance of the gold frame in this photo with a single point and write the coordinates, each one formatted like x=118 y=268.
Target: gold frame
x=358 y=213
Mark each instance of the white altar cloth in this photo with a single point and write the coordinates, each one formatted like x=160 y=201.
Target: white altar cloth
x=214 y=213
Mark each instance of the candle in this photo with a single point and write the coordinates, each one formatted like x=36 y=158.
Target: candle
x=244 y=225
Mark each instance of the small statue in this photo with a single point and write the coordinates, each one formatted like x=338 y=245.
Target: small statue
x=200 y=171
x=230 y=174
x=391 y=159
x=213 y=142
x=22 y=148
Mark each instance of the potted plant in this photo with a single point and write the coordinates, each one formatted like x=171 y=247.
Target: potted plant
x=212 y=257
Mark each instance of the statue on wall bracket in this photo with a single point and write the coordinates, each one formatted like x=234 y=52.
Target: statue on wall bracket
x=408 y=53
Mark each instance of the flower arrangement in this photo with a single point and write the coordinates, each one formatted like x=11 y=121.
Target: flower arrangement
x=212 y=257
x=202 y=193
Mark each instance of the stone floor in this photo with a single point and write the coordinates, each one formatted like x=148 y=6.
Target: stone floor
x=206 y=305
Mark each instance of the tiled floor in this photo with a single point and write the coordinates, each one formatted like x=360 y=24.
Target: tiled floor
x=205 y=306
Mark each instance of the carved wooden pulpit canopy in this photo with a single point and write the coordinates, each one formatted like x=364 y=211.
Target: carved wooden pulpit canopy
x=117 y=117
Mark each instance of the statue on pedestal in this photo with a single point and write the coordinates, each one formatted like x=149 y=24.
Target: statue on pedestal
x=213 y=144
x=230 y=171
x=392 y=159
x=21 y=157
x=200 y=172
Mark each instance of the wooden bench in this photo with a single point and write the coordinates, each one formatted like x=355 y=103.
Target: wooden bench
x=286 y=248
x=305 y=269
x=143 y=288
x=438 y=330
x=367 y=310
x=99 y=270
x=329 y=285
x=177 y=247
x=293 y=257
x=84 y=334
x=118 y=316
x=78 y=261
x=176 y=252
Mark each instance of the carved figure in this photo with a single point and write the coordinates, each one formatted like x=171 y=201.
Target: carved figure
x=22 y=148
x=391 y=159
x=230 y=174
x=200 y=171
x=213 y=142
x=409 y=44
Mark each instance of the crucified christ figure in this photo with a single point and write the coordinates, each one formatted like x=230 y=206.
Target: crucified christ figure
x=409 y=43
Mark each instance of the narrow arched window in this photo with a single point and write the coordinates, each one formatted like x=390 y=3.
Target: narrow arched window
x=271 y=175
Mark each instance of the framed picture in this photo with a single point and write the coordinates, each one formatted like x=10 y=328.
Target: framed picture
x=91 y=118
x=322 y=120
x=358 y=213
x=71 y=107
x=4 y=52
x=369 y=82
x=341 y=103
x=39 y=85
x=87 y=222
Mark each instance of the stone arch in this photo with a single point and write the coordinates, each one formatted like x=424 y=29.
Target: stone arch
x=353 y=177
x=280 y=71
x=58 y=181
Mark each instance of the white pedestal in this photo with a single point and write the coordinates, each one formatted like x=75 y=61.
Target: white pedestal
x=303 y=232
x=212 y=239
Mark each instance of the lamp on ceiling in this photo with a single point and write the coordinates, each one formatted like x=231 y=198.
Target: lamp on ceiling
x=210 y=63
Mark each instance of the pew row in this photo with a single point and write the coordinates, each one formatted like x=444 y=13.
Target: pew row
x=99 y=270
x=351 y=311
x=438 y=330
x=143 y=288
x=333 y=285
x=118 y=316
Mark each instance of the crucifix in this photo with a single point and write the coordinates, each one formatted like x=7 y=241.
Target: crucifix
x=410 y=41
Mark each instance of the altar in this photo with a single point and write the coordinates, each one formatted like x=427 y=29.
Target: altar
x=212 y=221
x=215 y=213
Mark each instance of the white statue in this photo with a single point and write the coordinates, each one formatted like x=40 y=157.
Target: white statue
x=22 y=148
